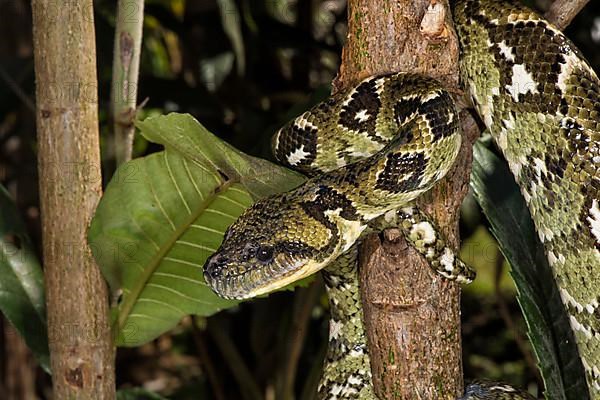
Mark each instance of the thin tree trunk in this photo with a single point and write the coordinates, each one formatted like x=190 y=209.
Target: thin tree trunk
x=81 y=349
x=126 y=66
x=412 y=315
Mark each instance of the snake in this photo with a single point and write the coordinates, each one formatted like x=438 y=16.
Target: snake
x=370 y=151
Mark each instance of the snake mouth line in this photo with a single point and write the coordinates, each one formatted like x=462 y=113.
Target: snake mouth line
x=260 y=281
x=287 y=279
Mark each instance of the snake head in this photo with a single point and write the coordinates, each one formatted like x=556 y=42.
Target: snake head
x=271 y=245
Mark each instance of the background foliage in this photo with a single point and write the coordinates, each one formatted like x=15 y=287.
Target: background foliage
x=242 y=68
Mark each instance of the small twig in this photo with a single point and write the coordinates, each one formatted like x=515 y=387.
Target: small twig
x=14 y=86
x=207 y=364
x=248 y=386
x=304 y=302
x=562 y=12
x=126 y=65
x=311 y=384
x=505 y=314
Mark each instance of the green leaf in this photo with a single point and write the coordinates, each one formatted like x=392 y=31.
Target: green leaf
x=163 y=215
x=182 y=133
x=22 y=282
x=214 y=70
x=230 y=19
x=547 y=322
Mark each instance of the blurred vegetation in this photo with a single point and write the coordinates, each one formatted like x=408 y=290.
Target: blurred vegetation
x=242 y=68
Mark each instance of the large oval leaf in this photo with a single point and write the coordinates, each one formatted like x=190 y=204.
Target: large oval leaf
x=162 y=216
x=22 y=281
x=547 y=322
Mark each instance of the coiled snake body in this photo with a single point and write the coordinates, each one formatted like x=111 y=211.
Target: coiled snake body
x=372 y=150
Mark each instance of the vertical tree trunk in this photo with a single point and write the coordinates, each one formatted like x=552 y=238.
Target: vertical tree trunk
x=412 y=315
x=81 y=350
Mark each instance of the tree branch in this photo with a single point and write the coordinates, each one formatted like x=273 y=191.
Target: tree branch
x=245 y=380
x=562 y=12
x=206 y=362
x=81 y=348
x=304 y=302
x=412 y=316
x=126 y=65
x=14 y=86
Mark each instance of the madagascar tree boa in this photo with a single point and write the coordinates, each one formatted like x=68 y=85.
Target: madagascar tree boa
x=372 y=150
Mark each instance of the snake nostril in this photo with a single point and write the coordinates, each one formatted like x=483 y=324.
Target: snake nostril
x=214 y=266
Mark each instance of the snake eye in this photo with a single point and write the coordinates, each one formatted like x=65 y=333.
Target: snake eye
x=264 y=254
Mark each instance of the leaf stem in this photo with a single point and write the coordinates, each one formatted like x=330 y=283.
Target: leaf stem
x=207 y=364
x=304 y=302
x=248 y=386
x=311 y=384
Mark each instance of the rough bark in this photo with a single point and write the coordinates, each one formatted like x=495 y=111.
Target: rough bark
x=81 y=349
x=412 y=315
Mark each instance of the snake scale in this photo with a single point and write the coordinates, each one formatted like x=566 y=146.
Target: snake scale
x=372 y=150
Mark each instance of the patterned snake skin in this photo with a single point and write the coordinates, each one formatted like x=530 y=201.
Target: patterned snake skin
x=372 y=150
